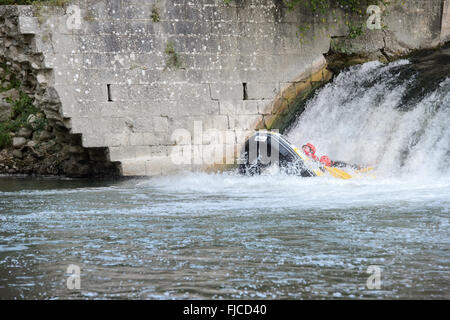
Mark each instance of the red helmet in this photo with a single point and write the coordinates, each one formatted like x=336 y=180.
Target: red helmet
x=313 y=149
x=325 y=160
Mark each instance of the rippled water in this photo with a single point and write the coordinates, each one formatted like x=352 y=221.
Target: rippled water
x=225 y=236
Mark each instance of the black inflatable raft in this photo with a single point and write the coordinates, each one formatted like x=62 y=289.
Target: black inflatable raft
x=264 y=149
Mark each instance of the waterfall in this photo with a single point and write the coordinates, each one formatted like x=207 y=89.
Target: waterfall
x=393 y=116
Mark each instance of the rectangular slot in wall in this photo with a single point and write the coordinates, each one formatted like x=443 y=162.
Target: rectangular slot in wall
x=244 y=85
x=108 y=86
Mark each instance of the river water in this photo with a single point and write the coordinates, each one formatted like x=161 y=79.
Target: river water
x=273 y=236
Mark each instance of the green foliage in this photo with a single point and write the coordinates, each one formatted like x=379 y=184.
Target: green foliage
x=5 y=137
x=173 y=58
x=316 y=5
x=21 y=109
x=155 y=14
x=339 y=47
x=13 y=81
x=355 y=30
x=302 y=31
x=89 y=16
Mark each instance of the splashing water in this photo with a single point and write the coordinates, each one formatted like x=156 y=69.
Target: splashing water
x=374 y=115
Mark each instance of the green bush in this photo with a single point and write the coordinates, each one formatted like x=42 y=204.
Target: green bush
x=21 y=109
x=5 y=137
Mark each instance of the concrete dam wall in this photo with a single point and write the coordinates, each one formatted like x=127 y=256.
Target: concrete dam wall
x=169 y=85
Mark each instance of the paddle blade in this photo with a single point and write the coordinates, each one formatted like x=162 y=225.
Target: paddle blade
x=337 y=173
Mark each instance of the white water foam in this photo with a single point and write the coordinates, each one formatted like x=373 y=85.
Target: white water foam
x=367 y=125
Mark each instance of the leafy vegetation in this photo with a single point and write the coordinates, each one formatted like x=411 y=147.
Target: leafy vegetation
x=155 y=14
x=21 y=109
x=355 y=30
x=5 y=137
x=173 y=58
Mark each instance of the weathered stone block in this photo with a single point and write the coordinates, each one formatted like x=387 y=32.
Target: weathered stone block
x=19 y=142
x=5 y=110
x=227 y=91
x=186 y=107
x=317 y=76
x=17 y=154
x=150 y=151
x=28 y=25
x=244 y=122
x=260 y=90
x=116 y=140
x=135 y=167
x=238 y=107
x=121 y=153
x=269 y=120
x=138 y=139
x=302 y=87
x=327 y=75
x=445 y=27
x=143 y=125
x=247 y=107
x=24 y=132
x=91 y=141
x=265 y=107
x=289 y=93
x=160 y=124
x=158 y=165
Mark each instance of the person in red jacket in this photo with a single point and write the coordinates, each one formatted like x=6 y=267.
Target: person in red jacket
x=310 y=151
x=325 y=160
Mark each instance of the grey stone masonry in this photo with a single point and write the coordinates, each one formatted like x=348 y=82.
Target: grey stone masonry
x=134 y=75
x=445 y=28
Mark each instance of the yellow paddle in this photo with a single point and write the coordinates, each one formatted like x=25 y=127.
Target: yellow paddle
x=337 y=173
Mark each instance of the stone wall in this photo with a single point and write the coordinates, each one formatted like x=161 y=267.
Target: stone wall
x=129 y=73
x=30 y=108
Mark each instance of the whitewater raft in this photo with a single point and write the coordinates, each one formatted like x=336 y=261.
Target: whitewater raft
x=267 y=149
